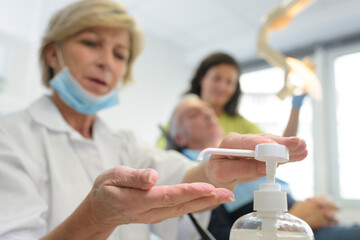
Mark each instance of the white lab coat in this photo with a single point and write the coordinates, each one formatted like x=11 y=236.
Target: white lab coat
x=47 y=168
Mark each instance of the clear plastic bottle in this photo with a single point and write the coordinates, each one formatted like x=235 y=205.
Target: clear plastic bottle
x=271 y=220
x=270 y=226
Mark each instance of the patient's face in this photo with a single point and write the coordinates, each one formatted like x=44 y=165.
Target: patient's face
x=199 y=122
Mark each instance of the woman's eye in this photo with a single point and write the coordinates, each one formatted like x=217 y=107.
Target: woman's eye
x=217 y=78
x=120 y=56
x=230 y=82
x=89 y=43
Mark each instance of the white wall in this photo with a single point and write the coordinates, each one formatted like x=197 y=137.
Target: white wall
x=18 y=53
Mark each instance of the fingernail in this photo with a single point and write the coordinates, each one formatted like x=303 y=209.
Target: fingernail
x=212 y=193
x=147 y=177
x=230 y=199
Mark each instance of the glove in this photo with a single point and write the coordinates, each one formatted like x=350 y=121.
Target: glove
x=297 y=101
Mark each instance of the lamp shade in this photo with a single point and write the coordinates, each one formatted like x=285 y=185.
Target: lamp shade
x=302 y=76
x=299 y=75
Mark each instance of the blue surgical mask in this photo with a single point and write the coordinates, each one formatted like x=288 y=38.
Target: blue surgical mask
x=74 y=95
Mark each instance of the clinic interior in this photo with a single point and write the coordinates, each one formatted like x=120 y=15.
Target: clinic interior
x=180 y=33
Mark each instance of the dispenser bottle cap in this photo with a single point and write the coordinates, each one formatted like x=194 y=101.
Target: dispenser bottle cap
x=270 y=198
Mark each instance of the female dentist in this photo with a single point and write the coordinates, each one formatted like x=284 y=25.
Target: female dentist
x=65 y=175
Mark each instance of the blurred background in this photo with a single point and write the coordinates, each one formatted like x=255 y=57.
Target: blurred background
x=179 y=34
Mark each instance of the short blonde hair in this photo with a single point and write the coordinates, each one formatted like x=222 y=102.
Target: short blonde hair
x=85 y=14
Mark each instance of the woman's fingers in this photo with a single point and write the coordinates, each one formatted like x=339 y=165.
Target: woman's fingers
x=246 y=141
x=123 y=195
x=296 y=146
x=123 y=176
x=162 y=213
x=169 y=196
x=129 y=205
x=238 y=169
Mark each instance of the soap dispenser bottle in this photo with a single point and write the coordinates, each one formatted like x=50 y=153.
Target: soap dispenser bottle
x=271 y=220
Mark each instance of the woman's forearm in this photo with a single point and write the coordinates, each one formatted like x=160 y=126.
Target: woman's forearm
x=292 y=126
x=80 y=225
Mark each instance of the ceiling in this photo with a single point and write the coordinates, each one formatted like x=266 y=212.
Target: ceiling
x=199 y=27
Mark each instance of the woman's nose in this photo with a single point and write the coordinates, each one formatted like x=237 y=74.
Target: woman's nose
x=106 y=59
x=225 y=84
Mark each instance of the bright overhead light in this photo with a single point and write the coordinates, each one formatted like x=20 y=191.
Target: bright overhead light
x=299 y=75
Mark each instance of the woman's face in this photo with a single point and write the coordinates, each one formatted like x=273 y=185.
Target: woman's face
x=97 y=58
x=219 y=85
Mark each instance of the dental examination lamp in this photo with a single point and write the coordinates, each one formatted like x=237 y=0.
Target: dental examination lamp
x=299 y=75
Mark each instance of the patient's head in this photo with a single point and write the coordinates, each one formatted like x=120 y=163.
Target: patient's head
x=194 y=124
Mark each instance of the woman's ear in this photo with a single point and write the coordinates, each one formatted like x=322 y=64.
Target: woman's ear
x=51 y=56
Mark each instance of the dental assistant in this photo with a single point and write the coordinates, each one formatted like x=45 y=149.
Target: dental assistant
x=65 y=175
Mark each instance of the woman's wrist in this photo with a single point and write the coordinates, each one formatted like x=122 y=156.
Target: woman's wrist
x=81 y=224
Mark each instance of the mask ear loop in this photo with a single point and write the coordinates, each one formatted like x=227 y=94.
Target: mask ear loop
x=59 y=55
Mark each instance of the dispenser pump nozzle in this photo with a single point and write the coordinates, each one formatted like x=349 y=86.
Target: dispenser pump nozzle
x=270 y=153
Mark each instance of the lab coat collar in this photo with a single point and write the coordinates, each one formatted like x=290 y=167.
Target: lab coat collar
x=45 y=112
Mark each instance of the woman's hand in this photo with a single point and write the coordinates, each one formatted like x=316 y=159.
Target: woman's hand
x=226 y=171
x=123 y=195
x=318 y=212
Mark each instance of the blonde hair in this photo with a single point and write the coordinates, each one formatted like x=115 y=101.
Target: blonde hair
x=85 y=14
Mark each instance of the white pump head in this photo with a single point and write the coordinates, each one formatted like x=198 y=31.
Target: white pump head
x=271 y=154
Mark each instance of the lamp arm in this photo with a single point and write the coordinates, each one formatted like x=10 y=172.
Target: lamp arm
x=279 y=17
x=272 y=56
x=287 y=88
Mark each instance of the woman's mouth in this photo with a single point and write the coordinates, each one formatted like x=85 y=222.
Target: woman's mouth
x=98 y=81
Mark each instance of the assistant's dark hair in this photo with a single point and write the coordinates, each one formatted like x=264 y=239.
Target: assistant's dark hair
x=212 y=60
